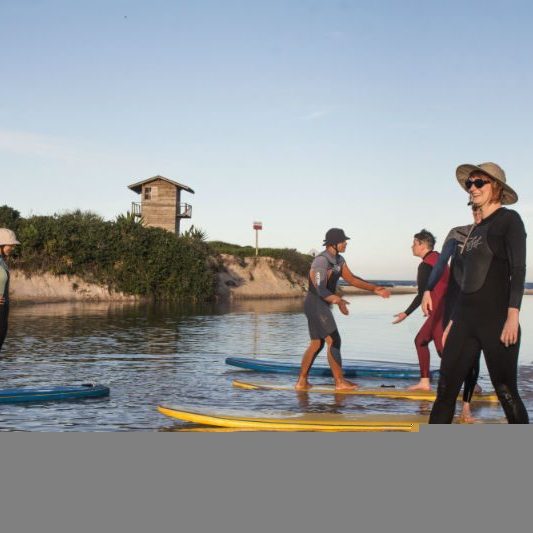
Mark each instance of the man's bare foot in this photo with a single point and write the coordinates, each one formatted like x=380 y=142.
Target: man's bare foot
x=423 y=384
x=346 y=385
x=418 y=386
x=302 y=384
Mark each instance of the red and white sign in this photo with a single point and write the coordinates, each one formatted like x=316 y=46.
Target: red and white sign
x=258 y=225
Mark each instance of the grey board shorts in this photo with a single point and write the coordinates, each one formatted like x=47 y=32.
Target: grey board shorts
x=319 y=317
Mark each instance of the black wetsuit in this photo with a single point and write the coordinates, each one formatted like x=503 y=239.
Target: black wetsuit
x=493 y=280
x=4 y=308
x=452 y=248
x=422 y=276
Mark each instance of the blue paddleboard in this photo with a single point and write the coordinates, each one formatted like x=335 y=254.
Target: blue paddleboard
x=47 y=394
x=359 y=369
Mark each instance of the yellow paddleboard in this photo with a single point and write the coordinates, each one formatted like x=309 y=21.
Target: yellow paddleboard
x=385 y=392
x=296 y=422
x=213 y=429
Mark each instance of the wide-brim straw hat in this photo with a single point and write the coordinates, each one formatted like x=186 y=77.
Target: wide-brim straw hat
x=492 y=170
x=7 y=237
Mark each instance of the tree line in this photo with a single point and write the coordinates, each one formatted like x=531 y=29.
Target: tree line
x=126 y=256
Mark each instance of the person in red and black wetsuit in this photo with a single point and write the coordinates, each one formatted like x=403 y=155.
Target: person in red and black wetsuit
x=432 y=329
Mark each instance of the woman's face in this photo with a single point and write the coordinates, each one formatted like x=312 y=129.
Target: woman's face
x=480 y=188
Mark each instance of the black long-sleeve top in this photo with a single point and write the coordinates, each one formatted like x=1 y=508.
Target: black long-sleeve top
x=495 y=262
x=422 y=277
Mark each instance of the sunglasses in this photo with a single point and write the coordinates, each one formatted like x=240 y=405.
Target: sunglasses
x=478 y=183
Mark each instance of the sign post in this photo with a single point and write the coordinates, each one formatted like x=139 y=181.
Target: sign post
x=257 y=226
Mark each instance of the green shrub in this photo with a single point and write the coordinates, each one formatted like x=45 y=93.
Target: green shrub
x=124 y=255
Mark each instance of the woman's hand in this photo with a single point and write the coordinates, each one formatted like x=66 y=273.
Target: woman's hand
x=382 y=291
x=399 y=317
x=509 y=334
x=427 y=303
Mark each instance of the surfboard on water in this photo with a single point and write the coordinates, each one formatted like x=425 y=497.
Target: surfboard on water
x=47 y=394
x=213 y=429
x=384 y=392
x=358 y=369
x=295 y=422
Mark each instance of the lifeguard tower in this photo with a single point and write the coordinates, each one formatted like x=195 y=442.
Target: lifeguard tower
x=161 y=205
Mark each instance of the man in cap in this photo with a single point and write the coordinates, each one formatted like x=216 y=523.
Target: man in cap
x=326 y=269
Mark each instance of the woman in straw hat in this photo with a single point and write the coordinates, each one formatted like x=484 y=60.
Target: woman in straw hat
x=486 y=316
x=8 y=241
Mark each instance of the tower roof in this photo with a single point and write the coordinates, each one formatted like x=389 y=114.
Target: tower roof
x=137 y=187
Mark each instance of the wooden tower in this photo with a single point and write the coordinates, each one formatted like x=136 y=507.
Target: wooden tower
x=161 y=205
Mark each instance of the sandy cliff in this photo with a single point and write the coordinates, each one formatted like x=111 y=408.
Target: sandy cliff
x=49 y=288
x=258 y=277
x=251 y=277
x=261 y=277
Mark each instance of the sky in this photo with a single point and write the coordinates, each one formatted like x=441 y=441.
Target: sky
x=304 y=115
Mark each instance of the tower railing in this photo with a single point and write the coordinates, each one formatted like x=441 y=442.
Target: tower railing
x=185 y=211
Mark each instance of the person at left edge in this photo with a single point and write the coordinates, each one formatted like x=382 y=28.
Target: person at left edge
x=325 y=272
x=8 y=241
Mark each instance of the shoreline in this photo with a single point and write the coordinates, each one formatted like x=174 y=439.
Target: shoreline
x=260 y=278
x=241 y=299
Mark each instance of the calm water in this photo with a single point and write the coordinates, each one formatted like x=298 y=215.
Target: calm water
x=175 y=354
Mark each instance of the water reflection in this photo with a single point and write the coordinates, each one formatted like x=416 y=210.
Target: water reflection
x=173 y=353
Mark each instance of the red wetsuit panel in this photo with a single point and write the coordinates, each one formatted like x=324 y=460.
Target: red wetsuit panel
x=438 y=293
x=432 y=329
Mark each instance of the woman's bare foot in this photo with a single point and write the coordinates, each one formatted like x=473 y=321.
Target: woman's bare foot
x=423 y=384
x=302 y=384
x=346 y=385
x=466 y=415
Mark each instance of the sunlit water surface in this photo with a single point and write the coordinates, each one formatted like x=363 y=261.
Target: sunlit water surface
x=151 y=354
